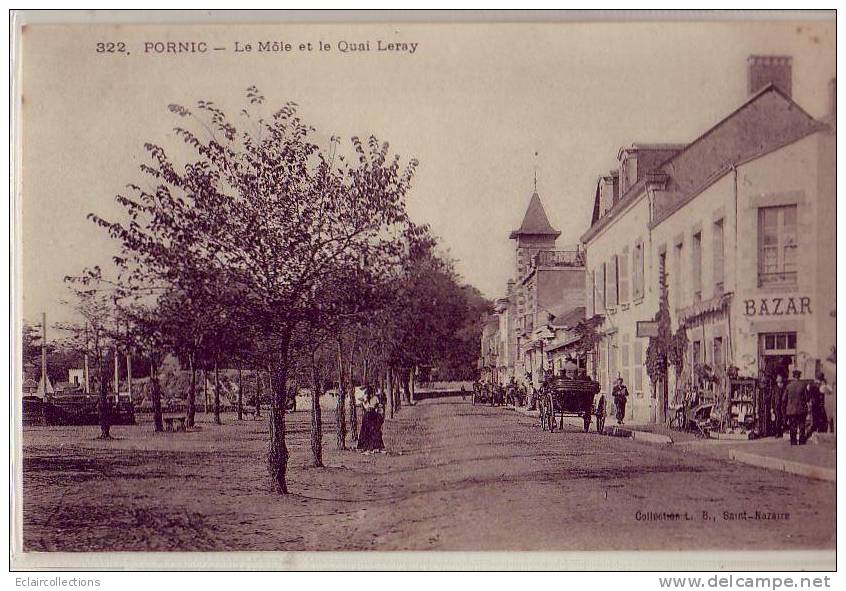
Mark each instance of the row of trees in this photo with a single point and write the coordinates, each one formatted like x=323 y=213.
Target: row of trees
x=250 y=245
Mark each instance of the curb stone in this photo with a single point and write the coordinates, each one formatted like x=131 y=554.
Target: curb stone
x=807 y=470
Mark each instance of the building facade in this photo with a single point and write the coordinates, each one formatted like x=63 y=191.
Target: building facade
x=738 y=226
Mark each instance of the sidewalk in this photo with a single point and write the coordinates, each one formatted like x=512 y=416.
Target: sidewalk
x=815 y=460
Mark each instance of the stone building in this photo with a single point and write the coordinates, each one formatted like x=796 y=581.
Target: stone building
x=739 y=225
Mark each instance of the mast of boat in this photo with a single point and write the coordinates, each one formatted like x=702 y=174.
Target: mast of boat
x=44 y=351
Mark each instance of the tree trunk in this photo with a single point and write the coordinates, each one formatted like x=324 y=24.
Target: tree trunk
x=216 y=393
x=412 y=376
x=155 y=388
x=205 y=391
x=192 y=393
x=389 y=399
x=340 y=407
x=258 y=392
x=397 y=391
x=104 y=404
x=316 y=424
x=353 y=410
x=405 y=386
x=277 y=457
x=240 y=393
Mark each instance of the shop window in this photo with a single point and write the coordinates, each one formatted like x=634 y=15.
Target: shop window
x=777 y=245
x=719 y=258
x=696 y=266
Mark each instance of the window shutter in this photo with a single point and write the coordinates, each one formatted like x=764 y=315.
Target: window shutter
x=611 y=281
x=623 y=263
x=600 y=289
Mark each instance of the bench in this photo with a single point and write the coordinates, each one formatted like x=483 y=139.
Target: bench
x=174 y=423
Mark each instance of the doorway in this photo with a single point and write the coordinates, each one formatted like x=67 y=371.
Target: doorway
x=777 y=353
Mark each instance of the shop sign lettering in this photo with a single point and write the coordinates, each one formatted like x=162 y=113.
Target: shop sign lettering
x=786 y=306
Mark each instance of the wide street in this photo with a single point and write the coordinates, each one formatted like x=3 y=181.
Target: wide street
x=456 y=477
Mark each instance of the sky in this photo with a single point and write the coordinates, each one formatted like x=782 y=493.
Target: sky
x=473 y=103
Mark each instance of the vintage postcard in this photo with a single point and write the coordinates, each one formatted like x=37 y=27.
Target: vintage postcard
x=558 y=294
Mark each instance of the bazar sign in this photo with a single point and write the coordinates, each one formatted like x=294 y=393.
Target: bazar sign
x=785 y=306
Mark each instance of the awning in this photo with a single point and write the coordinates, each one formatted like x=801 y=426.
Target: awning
x=710 y=306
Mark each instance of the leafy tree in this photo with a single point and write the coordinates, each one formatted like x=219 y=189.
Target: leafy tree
x=98 y=334
x=263 y=208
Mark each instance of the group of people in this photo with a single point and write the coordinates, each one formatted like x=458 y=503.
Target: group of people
x=789 y=405
x=499 y=394
x=526 y=394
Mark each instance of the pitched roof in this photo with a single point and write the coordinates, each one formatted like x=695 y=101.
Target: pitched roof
x=766 y=121
x=535 y=222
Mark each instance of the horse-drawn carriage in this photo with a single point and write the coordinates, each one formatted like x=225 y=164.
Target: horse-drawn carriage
x=566 y=397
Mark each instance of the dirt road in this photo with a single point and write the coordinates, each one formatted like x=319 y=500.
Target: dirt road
x=457 y=477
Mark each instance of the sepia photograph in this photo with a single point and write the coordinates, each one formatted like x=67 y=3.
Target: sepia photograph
x=525 y=287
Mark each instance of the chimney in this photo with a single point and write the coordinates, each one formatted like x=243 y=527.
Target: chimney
x=766 y=69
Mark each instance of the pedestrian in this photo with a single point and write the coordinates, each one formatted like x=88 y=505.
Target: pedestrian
x=828 y=401
x=463 y=393
x=600 y=413
x=796 y=408
x=816 y=400
x=620 y=395
x=370 y=435
x=778 y=397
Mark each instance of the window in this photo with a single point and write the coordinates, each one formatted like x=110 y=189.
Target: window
x=697 y=352
x=696 y=266
x=784 y=341
x=611 y=282
x=624 y=361
x=637 y=271
x=623 y=279
x=777 y=243
x=719 y=258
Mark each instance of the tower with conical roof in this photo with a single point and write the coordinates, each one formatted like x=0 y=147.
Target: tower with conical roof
x=534 y=234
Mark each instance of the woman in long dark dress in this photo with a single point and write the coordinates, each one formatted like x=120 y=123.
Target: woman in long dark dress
x=370 y=436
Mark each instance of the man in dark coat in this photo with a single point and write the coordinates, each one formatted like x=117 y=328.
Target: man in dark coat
x=620 y=395
x=797 y=408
